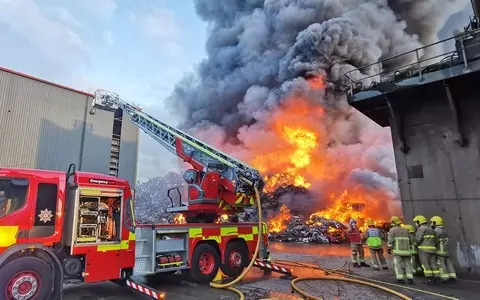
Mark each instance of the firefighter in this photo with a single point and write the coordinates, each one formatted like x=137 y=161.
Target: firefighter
x=444 y=262
x=373 y=236
x=399 y=239
x=426 y=240
x=355 y=238
x=416 y=266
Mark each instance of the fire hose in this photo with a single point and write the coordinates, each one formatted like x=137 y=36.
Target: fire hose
x=360 y=279
x=364 y=282
x=228 y=285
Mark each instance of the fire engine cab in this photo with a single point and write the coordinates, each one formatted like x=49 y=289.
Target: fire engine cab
x=57 y=226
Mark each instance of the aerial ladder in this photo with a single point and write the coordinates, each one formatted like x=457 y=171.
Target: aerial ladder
x=217 y=183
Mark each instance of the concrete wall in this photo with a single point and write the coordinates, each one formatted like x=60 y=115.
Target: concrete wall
x=437 y=176
x=45 y=126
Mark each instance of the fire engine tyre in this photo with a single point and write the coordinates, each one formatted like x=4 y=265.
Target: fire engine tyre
x=26 y=278
x=235 y=259
x=205 y=263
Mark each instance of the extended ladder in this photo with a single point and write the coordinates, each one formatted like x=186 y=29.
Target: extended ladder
x=166 y=135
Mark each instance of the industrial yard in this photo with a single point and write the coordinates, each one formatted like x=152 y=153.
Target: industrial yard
x=258 y=286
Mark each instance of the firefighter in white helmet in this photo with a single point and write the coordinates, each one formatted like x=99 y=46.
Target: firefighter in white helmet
x=355 y=238
x=399 y=240
x=447 y=271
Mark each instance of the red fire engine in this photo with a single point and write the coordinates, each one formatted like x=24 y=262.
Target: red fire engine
x=57 y=226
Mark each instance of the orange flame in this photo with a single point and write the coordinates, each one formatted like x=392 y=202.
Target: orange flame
x=222 y=219
x=280 y=222
x=299 y=155
x=316 y=83
x=297 y=143
x=358 y=204
x=179 y=219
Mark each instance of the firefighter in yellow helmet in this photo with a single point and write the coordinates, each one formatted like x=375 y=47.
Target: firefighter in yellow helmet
x=416 y=266
x=399 y=239
x=447 y=271
x=374 y=236
x=426 y=240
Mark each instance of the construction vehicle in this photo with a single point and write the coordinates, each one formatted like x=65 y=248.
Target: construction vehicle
x=57 y=226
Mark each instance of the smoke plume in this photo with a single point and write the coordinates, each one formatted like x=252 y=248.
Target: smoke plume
x=260 y=53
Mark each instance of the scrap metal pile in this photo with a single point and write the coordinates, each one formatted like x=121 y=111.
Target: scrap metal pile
x=286 y=225
x=314 y=229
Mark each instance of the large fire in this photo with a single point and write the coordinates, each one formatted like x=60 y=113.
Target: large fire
x=358 y=204
x=279 y=222
x=300 y=157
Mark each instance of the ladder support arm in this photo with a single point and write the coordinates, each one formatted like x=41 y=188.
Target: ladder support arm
x=169 y=137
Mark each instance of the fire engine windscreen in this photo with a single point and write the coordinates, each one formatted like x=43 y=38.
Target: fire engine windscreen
x=272 y=92
x=13 y=195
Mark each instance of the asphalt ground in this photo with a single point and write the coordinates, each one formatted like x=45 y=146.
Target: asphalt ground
x=257 y=285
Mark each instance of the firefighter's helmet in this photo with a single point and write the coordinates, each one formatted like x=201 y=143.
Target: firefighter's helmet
x=370 y=223
x=420 y=220
x=436 y=221
x=395 y=220
x=353 y=222
x=409 y=228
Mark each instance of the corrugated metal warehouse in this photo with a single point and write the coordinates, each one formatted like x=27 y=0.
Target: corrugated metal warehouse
x=48 y=126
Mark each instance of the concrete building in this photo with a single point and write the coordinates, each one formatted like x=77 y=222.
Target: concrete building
x=48 y=126
x=433 y=110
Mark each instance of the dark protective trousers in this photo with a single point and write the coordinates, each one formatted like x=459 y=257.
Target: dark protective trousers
x=403 y=267
x=416 y=265
x=377 y=258
x=429 y=264
x=447 y=271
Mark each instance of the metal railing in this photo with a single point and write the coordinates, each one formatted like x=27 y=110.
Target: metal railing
x=419 y=67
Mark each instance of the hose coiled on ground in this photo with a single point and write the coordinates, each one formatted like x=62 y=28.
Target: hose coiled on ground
x=308 y=296
x=339 y=271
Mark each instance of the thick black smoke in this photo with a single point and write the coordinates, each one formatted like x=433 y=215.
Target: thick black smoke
x=256 y=48
x=261 y=50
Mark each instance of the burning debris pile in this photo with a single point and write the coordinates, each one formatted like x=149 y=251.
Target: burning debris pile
x=328 y=225
x=287 y=228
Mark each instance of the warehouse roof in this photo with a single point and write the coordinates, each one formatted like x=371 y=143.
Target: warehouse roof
x=45 y=81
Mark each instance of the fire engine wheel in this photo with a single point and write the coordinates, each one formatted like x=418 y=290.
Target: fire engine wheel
x=205 y=263
x=235 y=259
x=26 y=278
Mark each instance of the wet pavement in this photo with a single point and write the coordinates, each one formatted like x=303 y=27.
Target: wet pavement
x=258 y=286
